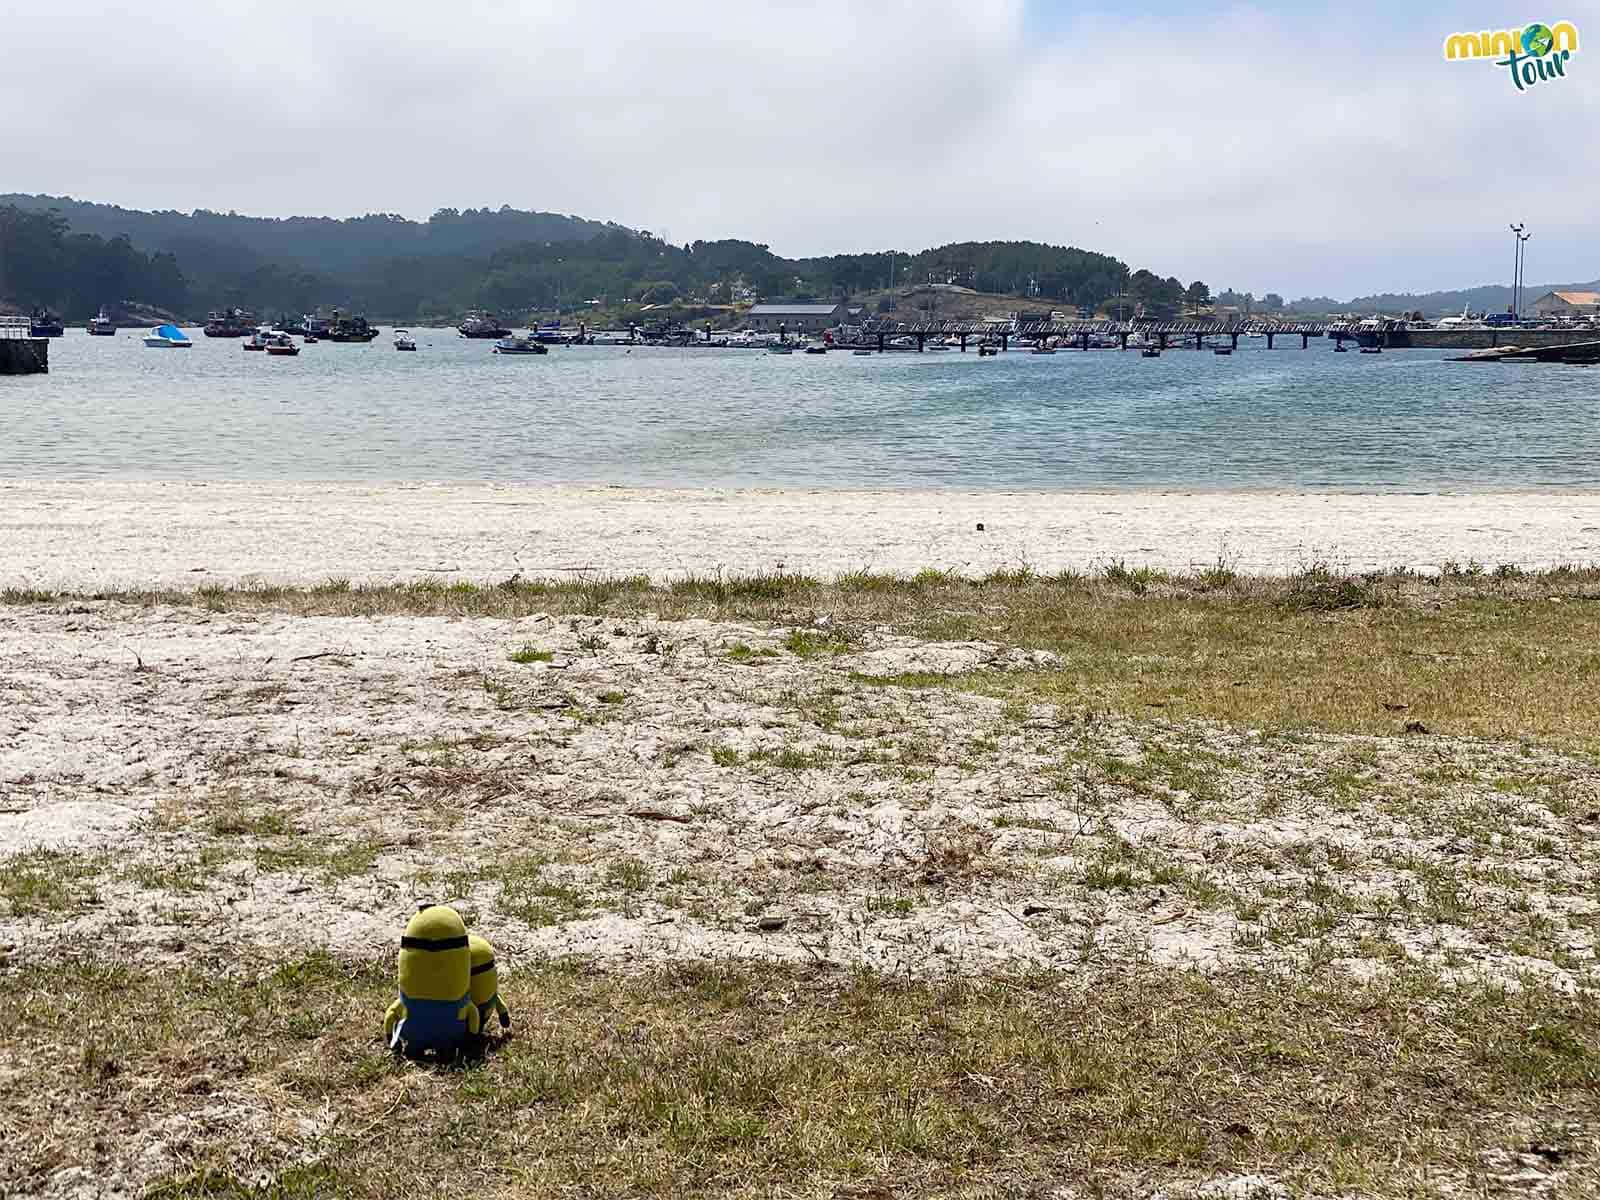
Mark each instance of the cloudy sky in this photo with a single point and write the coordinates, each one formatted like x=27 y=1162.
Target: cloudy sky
x=1304 y=149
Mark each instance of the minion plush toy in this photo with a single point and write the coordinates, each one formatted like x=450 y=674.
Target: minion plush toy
x=434 y=1013
x=486 y=985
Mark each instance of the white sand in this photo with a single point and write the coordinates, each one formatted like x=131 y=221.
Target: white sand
x=113 y=534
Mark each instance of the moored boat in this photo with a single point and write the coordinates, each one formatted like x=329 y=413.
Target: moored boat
x=45 y=324
x=102 y=325
x=480 y=324
x=229 y=323
x=167 y=337
x=403 y=340
x=350 y=329
x=519 y=345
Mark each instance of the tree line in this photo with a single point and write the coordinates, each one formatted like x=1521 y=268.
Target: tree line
x=399 y=270
x=44 y=265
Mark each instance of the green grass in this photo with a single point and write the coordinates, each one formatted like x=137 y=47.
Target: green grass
x=530 y=654
x=36 y=882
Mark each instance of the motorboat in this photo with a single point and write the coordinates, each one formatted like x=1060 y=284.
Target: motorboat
x=102 y=325
x=1041 y=348
x=310 y=339
x=261 y=338
x=859 y=353
x=281 y=345
x=816 y=349
x=520 y=345
x=403 y=340
x=167 y=337
x=480 y=324
x=1223 y=351
x=988 y=351
x=1372 y=349
x=1150 y=352
x=1340 y=348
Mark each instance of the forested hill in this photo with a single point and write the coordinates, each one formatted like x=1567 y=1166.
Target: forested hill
x=211 y=243
x=68 y=254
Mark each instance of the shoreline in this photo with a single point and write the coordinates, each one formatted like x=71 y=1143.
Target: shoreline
x=108 y=534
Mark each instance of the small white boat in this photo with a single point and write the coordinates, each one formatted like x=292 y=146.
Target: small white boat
x=403 y=340
x=167 y=337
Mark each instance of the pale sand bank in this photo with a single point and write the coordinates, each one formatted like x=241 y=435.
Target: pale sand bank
x=107 y=535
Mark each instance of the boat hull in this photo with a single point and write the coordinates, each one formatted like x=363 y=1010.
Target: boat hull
x=47 y=329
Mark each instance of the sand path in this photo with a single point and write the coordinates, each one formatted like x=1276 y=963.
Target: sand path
x=107 y=535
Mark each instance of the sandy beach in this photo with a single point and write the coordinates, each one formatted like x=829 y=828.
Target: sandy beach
x=113 y=535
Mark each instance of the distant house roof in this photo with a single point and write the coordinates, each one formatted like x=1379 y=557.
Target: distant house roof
x=794 y=310
x=1577 y=297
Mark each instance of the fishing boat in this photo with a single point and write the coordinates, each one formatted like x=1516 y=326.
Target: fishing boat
x=520 y=345
x=167 y=337
x=350 y=329
x=480 y=324
x=102 y=325
x=281 y=345
x=403 y=340
x=45 y=324
x=229 y=323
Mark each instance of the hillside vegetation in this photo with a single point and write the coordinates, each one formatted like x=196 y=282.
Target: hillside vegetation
x=508 y=260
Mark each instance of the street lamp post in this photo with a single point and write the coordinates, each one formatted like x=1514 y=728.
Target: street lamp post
x=1516 y=269
x=1522 y=270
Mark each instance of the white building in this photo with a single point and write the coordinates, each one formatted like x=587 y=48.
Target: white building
x=1567 y=304
x=796 y=318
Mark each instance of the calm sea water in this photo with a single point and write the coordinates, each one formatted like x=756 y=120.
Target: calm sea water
x=110 y=408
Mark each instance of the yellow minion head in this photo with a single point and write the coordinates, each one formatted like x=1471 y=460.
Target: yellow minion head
x=435 y=962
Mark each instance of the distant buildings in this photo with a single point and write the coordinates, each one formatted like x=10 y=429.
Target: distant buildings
x=1567 y=304
x=796 y=318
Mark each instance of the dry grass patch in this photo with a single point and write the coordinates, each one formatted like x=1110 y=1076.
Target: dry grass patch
x=720 y=1081
x=1495 y=653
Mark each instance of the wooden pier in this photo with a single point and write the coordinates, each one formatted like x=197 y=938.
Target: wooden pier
x=1083 y=332
x=20 y=352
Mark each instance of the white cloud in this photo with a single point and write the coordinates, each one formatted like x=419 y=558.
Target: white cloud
x=1243 y=146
